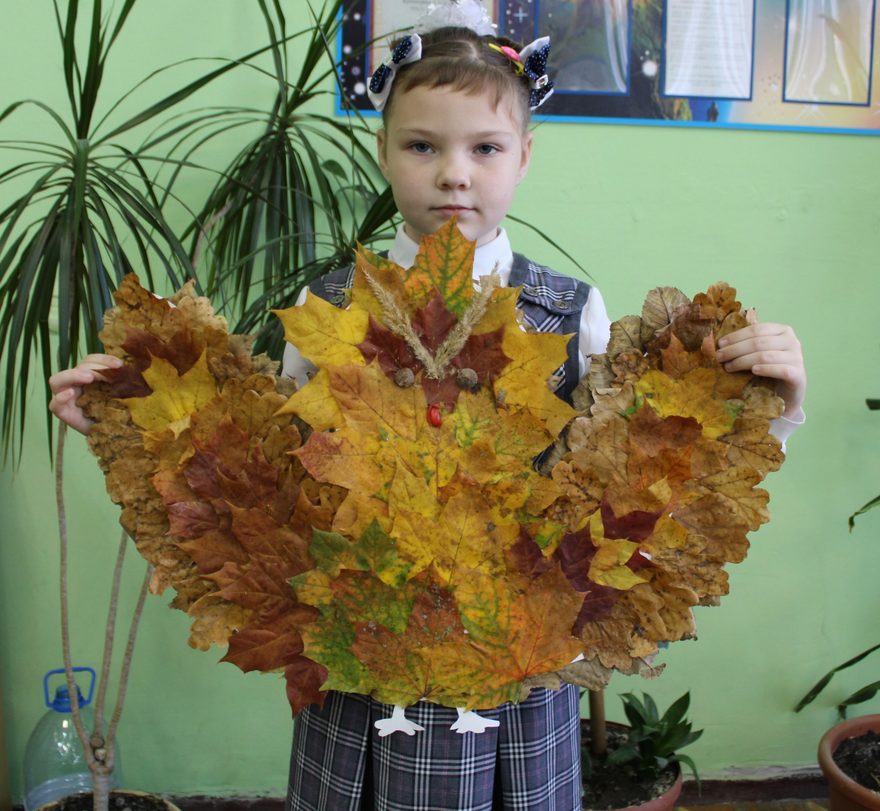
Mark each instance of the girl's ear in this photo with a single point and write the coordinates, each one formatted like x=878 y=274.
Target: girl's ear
x=526 y=156
x=381 y=154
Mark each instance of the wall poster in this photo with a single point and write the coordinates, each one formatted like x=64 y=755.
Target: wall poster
x=760 y=64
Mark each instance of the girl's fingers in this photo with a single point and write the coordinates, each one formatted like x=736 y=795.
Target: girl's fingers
x=86 y=371
x=66 y=386
x=758 y=340
x=760 y=357
x=63 y=406
x=771 y=351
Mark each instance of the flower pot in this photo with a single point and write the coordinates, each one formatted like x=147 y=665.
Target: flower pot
x=134 y=801
x=662 y=802
x=845 y=793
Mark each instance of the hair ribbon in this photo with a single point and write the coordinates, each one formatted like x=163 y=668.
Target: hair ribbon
x=407 y=50
x=534 y=59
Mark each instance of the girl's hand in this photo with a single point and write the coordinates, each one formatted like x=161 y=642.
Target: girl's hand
x=768 y=350
x=67 y=386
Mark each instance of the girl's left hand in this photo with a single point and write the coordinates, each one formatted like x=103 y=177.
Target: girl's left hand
x=768 y=350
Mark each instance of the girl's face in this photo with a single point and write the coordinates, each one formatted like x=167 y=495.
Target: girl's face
x=447 y=153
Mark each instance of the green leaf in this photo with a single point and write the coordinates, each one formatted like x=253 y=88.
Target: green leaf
x=862 y=510
x=677 y=710
x=820 y=685
x=688 y=761
x=861 y=695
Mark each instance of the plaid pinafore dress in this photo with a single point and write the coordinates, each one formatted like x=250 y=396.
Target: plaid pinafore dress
x=530 y=762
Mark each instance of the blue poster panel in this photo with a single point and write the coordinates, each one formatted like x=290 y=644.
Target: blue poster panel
x=759 y=64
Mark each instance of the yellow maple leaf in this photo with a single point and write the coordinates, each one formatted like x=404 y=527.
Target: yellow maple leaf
x=175 y=397
x=315 y=403
x=326 y=335
x=525 y=381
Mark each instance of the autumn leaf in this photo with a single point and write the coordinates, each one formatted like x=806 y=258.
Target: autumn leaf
x=174 y=397
x=694 y=395
x=444 y=263
x=536 y=357
x=323 y=332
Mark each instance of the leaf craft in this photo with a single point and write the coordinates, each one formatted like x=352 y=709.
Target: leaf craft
x=384 y=529
x=193 y=451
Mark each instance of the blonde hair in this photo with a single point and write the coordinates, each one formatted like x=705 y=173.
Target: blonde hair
x=461 y=59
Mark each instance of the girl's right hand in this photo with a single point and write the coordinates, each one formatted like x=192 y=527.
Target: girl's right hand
x=67 y=386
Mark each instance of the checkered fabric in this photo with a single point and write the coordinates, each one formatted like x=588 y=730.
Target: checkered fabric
x=530 y=762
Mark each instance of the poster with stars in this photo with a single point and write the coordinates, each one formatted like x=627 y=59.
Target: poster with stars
x=756 y=64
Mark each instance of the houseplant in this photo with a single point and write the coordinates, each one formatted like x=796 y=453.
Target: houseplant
x=849 y=752
x=285 y=201
x=92 y=210
x=639 y=764
x=88 y=207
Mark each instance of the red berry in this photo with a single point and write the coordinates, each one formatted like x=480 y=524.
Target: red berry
x=435 y=415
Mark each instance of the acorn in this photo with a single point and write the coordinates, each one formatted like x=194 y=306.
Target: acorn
x=467 y=379
x=404 y=377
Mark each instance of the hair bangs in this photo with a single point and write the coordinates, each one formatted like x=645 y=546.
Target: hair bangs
x=461 y=60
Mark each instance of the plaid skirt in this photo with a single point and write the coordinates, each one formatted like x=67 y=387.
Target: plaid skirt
x=530 y=762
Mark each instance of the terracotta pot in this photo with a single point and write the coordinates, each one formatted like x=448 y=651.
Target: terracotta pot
x=662 y=803
x=845 y=793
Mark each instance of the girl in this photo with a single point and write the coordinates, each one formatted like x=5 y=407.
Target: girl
x=455 y=142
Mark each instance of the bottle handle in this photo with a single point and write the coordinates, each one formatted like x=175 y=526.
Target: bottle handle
x=85 y=701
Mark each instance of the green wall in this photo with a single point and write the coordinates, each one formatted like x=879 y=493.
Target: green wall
x=792 y=220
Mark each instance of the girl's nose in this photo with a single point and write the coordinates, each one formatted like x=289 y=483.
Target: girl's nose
x=453 y=173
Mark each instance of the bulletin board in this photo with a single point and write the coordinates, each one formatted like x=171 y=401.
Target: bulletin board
x=757 y=64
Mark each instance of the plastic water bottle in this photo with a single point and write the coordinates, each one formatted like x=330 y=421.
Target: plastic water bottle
x=54 y=762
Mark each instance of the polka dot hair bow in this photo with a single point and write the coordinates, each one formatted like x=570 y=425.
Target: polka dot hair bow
x=534 y=60
x=407 y=50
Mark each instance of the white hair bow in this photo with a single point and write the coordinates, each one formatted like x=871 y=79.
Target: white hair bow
x=408 y=49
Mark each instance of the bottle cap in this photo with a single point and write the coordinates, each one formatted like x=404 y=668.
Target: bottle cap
x=61 y=702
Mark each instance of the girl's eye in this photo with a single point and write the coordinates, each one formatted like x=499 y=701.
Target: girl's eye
x=420 y=147
x=487 y=149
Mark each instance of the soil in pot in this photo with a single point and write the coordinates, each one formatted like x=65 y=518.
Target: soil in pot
x=619 y=786
x=119 y=801
x=859 y=759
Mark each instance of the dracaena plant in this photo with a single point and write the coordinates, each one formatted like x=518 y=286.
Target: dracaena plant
x=867 y=691
x=85 y=215
x=299 y=196
x=87 y=208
